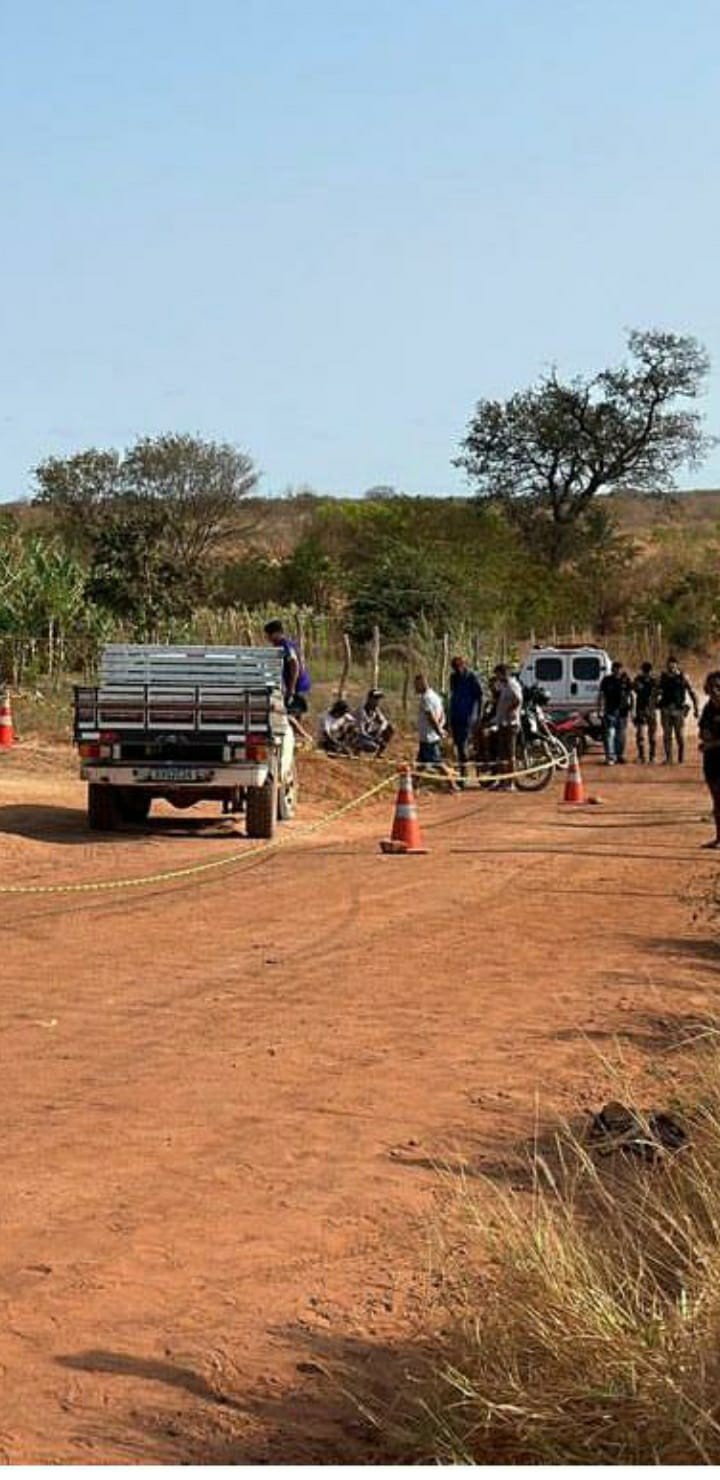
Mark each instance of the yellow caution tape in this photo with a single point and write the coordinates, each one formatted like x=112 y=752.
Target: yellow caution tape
x=192 y=870
x=429 y=771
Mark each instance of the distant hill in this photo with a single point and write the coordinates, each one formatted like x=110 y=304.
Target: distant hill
x=273 y=526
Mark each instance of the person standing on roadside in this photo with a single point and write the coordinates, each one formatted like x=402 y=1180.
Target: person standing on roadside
x=616 y=702
x=486 y=730
x=464 y=708
x=431 y=723
x=709 y=730
x=645 y=689
x=507 y=718
x=431 y=727
x=675 y=700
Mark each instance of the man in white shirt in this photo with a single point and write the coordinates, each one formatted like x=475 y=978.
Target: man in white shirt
x=337 y=731
x=507 y=718
x=431 y=723
x=431 y=728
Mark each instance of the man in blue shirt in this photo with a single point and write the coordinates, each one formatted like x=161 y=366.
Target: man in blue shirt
x=295 y=677
x=464 y=708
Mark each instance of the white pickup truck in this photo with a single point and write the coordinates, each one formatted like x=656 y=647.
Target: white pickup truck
x=187 y=724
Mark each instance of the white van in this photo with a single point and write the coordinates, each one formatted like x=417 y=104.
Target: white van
x=571 y=675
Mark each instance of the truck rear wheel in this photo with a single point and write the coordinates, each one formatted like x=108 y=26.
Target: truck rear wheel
x=103 y=814
x=288 y=796
x=261 y=805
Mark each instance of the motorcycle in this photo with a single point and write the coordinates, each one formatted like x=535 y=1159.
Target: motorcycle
x=577 y=731
x=539 y=749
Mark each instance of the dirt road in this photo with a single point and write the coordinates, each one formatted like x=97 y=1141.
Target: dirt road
x=223 y=1100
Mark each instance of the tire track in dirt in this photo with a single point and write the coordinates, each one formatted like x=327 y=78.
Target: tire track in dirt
x=209 y=1154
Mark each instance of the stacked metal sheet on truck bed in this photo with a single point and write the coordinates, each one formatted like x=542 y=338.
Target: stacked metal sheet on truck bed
x=209 y=667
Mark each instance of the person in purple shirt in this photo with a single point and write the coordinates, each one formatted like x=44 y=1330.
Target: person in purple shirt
x=295 y=677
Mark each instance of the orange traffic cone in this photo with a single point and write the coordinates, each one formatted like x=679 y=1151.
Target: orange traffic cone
x=405 y=836
x=7 y=735
x=574 y=786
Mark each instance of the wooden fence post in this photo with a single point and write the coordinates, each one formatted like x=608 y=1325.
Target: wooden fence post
x=375 y=659
x=301 y=635
x=445 y=664
x=347 y=664
x=409 y=663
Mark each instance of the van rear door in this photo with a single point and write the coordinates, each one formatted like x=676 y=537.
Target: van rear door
x=551 y=674
x=586 y=672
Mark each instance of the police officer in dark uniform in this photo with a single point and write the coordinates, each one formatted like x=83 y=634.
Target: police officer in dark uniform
x=645 y=689
x=676 y=698
x=615 y=702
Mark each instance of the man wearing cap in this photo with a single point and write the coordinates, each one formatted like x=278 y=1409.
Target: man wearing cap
x=464 y=708
x=374 y=729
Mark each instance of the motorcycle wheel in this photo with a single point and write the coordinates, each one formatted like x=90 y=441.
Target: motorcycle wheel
x=557 y=749
x=534 y=753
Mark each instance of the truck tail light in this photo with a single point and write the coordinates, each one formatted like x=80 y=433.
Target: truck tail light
x=257 y=748
x=89 y=750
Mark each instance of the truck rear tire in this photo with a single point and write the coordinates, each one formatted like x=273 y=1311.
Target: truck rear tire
x=103 y=814
x=261 y=805
x=288 y=796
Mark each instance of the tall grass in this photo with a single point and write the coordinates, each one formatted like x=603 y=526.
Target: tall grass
x=579 y=1321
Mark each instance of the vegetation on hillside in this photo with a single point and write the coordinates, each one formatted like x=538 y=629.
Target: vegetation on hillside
x=169 y=539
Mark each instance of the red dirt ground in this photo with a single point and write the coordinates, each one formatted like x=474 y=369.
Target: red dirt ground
x=224 y=1100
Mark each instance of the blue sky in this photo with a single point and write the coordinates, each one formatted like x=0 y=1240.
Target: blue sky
x=322 y=229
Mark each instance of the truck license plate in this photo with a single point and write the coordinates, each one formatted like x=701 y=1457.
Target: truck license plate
x=175 y=773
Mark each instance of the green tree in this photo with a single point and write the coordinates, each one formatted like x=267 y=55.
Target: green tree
x=157 y=515
x=199 y=485
x=397 y=590
x=137 y=577
x=557 y=445
x=78 y=492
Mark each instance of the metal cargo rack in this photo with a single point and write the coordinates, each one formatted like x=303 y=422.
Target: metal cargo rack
x=191 y=689
x=225 y=667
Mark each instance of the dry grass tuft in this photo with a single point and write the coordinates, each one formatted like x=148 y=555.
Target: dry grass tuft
x=579 y=1323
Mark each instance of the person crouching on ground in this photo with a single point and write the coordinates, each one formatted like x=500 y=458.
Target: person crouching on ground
x=374 y=730
x=507 y=718
x=464 y=708
x=616 y=702
x=431 y=728
x=709 y=730
x=337 y=732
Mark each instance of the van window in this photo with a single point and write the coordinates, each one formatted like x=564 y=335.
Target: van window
x=586 y=669
x=548 y=670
